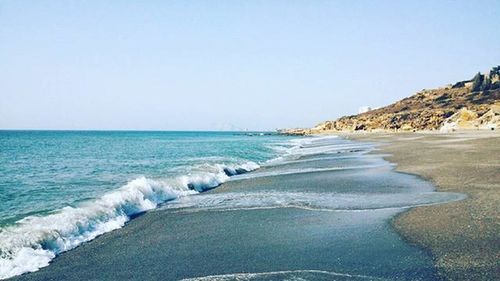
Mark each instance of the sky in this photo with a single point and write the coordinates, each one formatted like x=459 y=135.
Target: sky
x=213 y=65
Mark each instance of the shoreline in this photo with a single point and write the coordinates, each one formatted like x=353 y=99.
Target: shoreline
x=281 y=226
x=462 y=236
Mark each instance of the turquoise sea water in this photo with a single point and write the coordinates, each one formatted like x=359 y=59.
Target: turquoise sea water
x=61 y=188
x=42 y=171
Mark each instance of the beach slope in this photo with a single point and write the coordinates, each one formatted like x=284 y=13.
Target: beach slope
x=463 y=236
x=323 y=212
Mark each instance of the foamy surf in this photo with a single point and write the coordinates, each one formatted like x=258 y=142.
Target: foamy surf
x=309 y=201
x=34 y=241
x=297 y=275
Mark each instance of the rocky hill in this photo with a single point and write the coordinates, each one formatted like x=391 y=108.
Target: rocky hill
x=472 y=103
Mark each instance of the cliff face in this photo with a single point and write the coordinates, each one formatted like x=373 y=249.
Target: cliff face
x=425 y=110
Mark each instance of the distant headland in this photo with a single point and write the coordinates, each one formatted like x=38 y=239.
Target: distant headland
x=468 y=104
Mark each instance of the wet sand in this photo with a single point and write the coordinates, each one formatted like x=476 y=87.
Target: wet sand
x=318 y=216
x=464 y=236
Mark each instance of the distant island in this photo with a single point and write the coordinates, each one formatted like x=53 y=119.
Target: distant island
x=468 y=104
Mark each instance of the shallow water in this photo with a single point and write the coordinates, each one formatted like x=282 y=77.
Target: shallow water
x=329 y=204
x=316 y=209
x=42 y=171
x=59 y=189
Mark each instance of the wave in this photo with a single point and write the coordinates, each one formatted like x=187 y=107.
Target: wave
x=300 y=148
x=297 y=171
x=285 y=275
x=34 y=241
x=312 y=201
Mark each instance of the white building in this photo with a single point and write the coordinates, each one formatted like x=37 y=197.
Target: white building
x=364 y=109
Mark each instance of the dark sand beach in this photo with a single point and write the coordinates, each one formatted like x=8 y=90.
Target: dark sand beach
x=463 y=236
x=323 y=214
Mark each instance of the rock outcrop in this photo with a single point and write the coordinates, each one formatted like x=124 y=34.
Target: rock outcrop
x=491 y=119
x=467 y=119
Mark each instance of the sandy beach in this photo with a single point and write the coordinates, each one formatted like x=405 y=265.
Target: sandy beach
x=463 y=236
x=322 y=214
x=249 y=140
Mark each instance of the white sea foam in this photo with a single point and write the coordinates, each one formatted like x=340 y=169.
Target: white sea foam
x=285 y=275
x=314 y=146
x=290 y=171
x=309 y=201
x=32 y=242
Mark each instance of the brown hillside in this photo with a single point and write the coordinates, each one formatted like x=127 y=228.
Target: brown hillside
x=426 y=110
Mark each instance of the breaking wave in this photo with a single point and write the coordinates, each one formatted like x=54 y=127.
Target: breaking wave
x=34 y=241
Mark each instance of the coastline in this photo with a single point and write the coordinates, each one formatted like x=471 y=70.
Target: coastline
x=462 y=236
x=290 y=220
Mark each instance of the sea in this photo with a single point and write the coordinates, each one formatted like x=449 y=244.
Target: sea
x=59 y=189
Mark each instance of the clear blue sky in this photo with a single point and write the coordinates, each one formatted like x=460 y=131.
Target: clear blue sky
x=202 y=65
